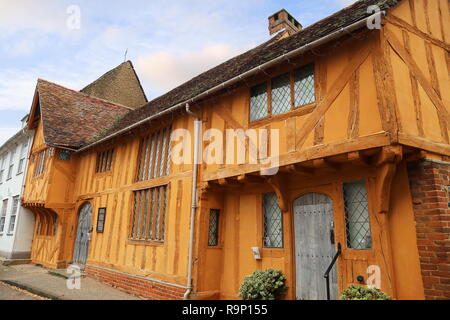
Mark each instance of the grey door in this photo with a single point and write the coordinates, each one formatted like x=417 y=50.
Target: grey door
x=83 y=235
x=314 y=246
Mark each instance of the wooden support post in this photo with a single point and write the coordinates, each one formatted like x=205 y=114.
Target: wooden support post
x=386 y=162
x=279 y=186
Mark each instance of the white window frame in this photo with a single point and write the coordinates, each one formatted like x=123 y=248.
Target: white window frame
x=3 y=215
x=2 y=167
x=13 y=214
x=11 y=163
x=23 y=155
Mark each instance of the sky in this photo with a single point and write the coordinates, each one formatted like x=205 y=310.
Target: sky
x=74 y=42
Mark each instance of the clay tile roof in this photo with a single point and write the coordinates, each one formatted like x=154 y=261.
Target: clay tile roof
x=71 y=118
x=250 y=60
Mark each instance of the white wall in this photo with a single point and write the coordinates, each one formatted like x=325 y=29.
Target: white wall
x=15 y=244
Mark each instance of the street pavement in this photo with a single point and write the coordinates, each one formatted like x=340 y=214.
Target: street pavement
x=10 y=293
x=37 y=280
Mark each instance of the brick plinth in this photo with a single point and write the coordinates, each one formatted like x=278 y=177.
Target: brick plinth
x=429 y=182
x=140 y=286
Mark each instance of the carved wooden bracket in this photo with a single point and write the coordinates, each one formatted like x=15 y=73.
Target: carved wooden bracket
x=279 y=186
x=387 y=162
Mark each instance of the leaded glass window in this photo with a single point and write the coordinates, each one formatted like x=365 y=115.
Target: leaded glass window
x=104 y=161
x=213 y=233
x=259 y=102
x=273 y=222
x=357 y=215
x=154 y=155
x=304 y=89
x=149 y=214
x=101 y=220
x=281 y=94
x=39 y=167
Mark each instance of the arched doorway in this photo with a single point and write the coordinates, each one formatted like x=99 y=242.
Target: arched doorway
x=82 y=239
x=314 y=246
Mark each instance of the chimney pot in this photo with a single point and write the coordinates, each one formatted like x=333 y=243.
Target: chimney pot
x=283 y=20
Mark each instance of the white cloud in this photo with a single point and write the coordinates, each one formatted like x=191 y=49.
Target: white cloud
x=164 y=71
x=49 y=15
x=16 y=89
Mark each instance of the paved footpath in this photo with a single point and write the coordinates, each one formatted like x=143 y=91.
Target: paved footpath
x=37 y=280
x=11 y=293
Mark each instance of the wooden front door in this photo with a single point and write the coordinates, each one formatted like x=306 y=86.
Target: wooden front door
x=83 y=235
x=314 y=246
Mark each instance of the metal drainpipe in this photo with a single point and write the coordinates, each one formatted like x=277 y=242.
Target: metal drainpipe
x=197 y=127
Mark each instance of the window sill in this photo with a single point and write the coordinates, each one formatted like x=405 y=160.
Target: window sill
x=298 y=111
x=215 y=247
x=102 y=174
x=146 y=242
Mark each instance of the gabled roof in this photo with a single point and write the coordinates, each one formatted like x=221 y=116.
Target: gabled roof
x=249 y=60
x=71 y=118
x=120 y=85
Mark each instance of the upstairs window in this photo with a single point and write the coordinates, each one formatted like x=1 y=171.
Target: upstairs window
x=287 y=92
x=273 y=222
x=304 y=87
x=104 y=161
x=23 y=155
x=64 y=155
x=149 y=214
x=11 y=163
x=2 y=167
x=39 y=166
x=3 y=215
x=12 y=218
x=281 y=94
x=154 y=155
x=259 y=102
x=357 y=215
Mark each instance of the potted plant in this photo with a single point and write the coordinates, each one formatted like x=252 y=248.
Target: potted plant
x=263 y=285
x=356 y=292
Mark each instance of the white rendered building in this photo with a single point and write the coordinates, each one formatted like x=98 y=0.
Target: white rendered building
x=16 y=222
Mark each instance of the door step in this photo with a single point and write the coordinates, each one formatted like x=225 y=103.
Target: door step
x=62 y=273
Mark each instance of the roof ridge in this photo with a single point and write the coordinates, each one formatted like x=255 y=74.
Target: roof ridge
x=84 y=94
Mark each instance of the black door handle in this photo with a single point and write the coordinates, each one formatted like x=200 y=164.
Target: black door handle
x=332 y=236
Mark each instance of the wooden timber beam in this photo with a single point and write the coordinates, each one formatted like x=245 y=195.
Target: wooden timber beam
x=297 y=168
x=396 y=21
x=415 y=156
x=232 y=181
x=386 y=163
x=335 y=90
x=420 y=76
x=278 y=183
x=247 y=178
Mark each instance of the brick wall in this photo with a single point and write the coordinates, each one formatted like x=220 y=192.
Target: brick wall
x=140 y=286
x=429 y=182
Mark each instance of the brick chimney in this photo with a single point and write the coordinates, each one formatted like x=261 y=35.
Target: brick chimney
x=282 y=20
